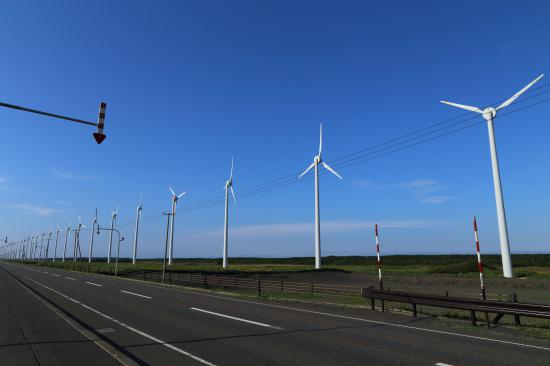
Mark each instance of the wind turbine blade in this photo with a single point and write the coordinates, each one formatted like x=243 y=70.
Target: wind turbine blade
x=172 y=191
x=181 y=195
x=320 y=139
x=116 y=211
x=307 y=170
x=462 y=106
x=516 y=96
x=331 y=170
x=231 y=175
x=233 y=194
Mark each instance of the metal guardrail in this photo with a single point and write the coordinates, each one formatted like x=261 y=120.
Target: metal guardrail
x=207 y=280
x=500 y=308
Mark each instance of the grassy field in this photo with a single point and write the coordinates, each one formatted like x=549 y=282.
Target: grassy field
x=525 y=265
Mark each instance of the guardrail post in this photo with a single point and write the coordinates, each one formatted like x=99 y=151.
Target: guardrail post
x=414 y=310
x=517 y=320
x=473 y=317
x=312 y=288
x=205 y=280
x=259 y=284
x=282 y=286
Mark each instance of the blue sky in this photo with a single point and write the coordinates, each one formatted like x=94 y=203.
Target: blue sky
x=191 y=83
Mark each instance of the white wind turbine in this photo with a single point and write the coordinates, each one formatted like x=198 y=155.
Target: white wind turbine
x=138 y=219
x=113 y=223
x=94 y=224
x=228 y=187
x=67 y=231
x=76 y=247
x=489 y=114
x=56 y=239
x=175 y=199
x=316 y=161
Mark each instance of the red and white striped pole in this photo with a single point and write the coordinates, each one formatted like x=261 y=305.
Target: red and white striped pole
x=479 y=262
x=378 y=262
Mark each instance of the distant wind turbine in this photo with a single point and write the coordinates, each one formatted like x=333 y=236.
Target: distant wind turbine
x=113 y=223
x=489 y=115
x=228 y=187
x=67 y=231
x=138 y=219
x=56 y=239
x=316 y=161
x=76 y=247
x=175 y=199
x=94 y=224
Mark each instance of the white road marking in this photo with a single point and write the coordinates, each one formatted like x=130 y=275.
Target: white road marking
x=442 y=364
x=70 y=278
x=45 y=272
x=366 y=320
x=56 y=275
x=157 y=340
x=235 y=318
x=133 y=293
x=94 y=284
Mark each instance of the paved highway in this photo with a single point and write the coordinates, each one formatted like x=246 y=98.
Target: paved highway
x=56 y=317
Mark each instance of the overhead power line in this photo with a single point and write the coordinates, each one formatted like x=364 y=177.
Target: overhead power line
x=419 y=136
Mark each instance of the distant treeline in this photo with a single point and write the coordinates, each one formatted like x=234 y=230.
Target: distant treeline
x=489 y=260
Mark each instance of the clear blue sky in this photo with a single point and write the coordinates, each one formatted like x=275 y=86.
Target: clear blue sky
x=191 y=83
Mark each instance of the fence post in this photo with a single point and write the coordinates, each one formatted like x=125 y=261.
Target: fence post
x=517 y=320
x=282 y=286
x=312 y=288
x=372 y=303
x=259 y=283
x=473 y=317
x=414 y=311
x=205 y=280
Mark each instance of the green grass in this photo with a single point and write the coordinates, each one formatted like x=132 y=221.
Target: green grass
x=526 y=265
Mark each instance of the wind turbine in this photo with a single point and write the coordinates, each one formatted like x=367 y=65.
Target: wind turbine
x=228 y=187
x=56 y=239
x=76 y=247
x=94 y=223
x=138 y=219
x=489 y=115
x=175 y=199
x=67 y=231
x=316 y=161
x=48 y=245
x=113 y=223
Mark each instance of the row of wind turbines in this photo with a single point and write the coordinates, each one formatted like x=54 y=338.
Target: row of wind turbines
x=489 y=114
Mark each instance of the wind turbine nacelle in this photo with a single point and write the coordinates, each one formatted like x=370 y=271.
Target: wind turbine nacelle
x=489 y=113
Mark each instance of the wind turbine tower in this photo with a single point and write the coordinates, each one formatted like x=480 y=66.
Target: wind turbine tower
x=316 y=161
x=94 y=224
x=113 y=223
x=228 y=187
x=138 y=219
x=175 y=199
x=489 y=115
x=67 y=232
x=56 y=239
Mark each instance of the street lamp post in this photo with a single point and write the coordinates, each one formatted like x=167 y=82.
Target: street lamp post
x=168 y=214
x=120 y=238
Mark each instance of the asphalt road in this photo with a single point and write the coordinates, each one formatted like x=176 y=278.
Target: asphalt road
x=56 y=317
